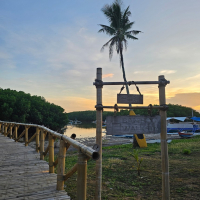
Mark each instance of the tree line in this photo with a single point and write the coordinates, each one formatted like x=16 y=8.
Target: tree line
x=21 y=107
x=173 y=111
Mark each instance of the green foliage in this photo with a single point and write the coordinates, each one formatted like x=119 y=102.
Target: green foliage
x=173 y=111
x=138 y=160
x=21 y=107
x=186 y=151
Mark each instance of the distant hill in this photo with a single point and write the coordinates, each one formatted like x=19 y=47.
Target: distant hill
x=173 y=111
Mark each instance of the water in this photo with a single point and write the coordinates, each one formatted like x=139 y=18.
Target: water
x=83 y=130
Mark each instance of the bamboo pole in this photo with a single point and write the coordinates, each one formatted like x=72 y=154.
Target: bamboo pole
x=72 y=171
x=73 y=136
x=8 y=132
x=37 y=140
x=61 y=165
x=51 y=153
x=22 y=134
x=15 y=134
x=129 y=83
x=42 y=145
x=0 y=127
x=26 y=135
x=99 y=137
x=127 y=107
x=5 y=129
x=164 y=147
x=46 y=151
x=82 y=176
x=11 y=133
x=32 y=137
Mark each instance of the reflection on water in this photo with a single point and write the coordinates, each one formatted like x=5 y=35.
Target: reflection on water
x=82 y=130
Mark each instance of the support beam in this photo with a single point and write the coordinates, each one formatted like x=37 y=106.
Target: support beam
x=61 y=165
x=15 y=132
x=5 y=129
x=32 y=138
x=42 y=145
x=82 y=176
x=164 y=147
x=99 y=137
x=51 y=153
x=26 y=135
x=22 y=134
x=46 y=151
x=37 y=140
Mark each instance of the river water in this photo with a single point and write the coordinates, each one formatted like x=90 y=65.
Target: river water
x=83 y=130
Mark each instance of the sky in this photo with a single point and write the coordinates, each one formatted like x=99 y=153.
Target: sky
x=51 y=48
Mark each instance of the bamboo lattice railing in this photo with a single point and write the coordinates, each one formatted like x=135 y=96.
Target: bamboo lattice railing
x=10 y=129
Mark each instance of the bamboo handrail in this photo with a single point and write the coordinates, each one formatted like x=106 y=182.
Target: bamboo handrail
x=84 y=149
x=85 y=153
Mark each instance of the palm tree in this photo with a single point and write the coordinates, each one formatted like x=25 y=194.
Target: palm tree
x=119 y=29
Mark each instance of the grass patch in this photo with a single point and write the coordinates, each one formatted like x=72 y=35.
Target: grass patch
x=120 y=178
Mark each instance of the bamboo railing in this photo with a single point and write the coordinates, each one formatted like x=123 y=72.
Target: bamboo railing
x=10 y=129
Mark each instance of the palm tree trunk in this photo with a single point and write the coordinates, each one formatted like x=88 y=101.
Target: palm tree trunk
x=123 y=70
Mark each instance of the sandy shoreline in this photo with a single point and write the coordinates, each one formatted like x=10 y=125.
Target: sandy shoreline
x=108 y=140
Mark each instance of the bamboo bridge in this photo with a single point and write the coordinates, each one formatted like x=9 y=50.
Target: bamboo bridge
x=23 y=172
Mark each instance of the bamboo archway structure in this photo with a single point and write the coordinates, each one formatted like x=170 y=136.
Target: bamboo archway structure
x=162 y=82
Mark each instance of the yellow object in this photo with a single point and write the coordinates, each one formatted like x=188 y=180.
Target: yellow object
x=132 y=112
x=140 y=138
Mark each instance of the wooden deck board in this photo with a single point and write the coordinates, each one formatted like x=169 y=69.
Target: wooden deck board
x=23 y=176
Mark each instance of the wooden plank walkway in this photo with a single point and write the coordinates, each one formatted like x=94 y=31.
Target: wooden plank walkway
x=23 y=175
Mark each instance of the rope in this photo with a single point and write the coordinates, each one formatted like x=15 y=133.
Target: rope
x=136 y=87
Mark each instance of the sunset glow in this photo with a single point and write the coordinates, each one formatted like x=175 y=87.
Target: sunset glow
x=54 y=52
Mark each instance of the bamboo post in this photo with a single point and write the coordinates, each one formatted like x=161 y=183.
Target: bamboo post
x=51 y=153
x=99 y=137
x=11 y=127
x=37 y=140
x=82 y=176
x=5 y=129
x=42 y=145
x=61 y=165
x=0 y=128
x=164 y=147
x=26 y=135
x=15 y=133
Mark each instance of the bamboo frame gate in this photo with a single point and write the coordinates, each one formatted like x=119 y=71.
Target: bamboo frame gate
x=162 y=82
x=85 y=153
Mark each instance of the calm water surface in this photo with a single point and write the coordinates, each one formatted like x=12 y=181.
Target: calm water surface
x=82 y=130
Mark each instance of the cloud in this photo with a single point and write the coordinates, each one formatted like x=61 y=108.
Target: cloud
x=141 y=72
x=168 y=71
x=107 y=75
x=193 y=77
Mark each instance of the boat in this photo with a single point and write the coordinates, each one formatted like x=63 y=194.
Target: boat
x=71 y=122
x=185 y=134
x=77 y=122
x=182 y=125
